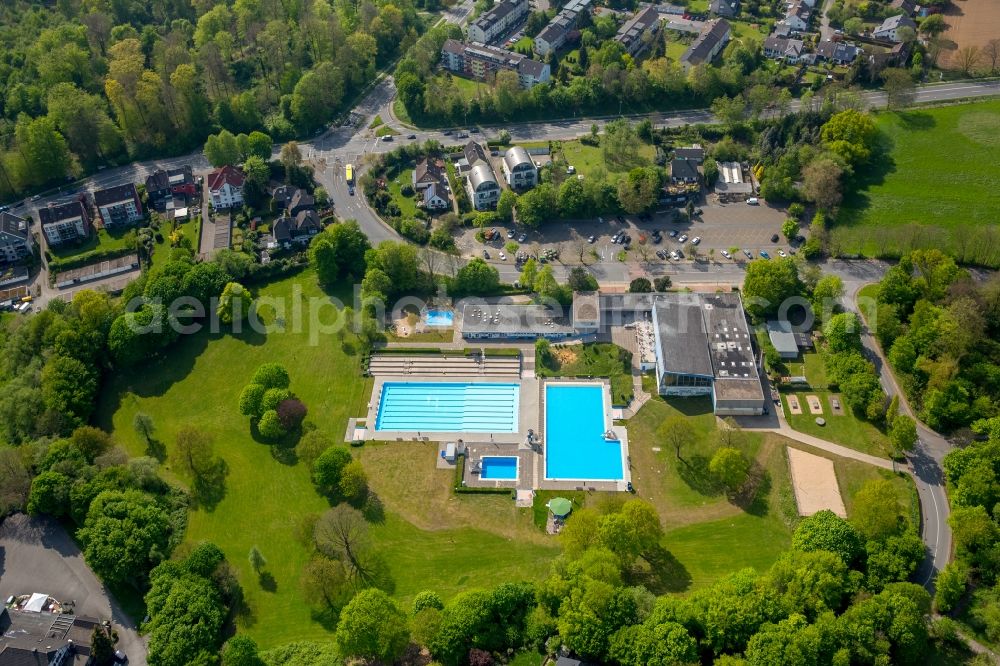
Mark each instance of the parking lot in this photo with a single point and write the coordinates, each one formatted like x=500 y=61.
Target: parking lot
x=37 y=555
x=719 y=226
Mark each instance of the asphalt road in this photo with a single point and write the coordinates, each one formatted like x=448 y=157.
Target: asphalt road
x=925 y=461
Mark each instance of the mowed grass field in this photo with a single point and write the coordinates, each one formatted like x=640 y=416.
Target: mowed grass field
x=937 y=186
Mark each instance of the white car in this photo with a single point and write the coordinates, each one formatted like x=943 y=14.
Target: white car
x=683 y=238
x=753 y=201
x=781 y=253
x=592 y=239
x=503 y=257
x=725 y=253
x=695 y=240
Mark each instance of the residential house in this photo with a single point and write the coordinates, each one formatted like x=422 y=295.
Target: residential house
x=300 y=201
x=838 y=53
x=299 y=228
x=428 y=172
x=640 y=31
x=724 y=8
x=118 y=206
x=225 y=187
x=162 y=186
x=889 y=30
x=436 y=197
x=784 y=48
x=908 y=7
x=708 y=44
x=474 y=153
x=16 y=242
x=481 y=61
x=796 y=19
x=484 y=191
x=498 y=20
x=896 y=56
x=693 y=152
x=683 y=172
x=518 y=169
x=557 y=32
x=65 y=222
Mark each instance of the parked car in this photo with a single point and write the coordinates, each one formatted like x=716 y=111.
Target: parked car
x=753 y=201
x=592 y=239
x=350 y=190
x=661 y=254
x=486 y=254
x=748 y=253
x=474 y=130
x=683 y=238
x=510 y=233
x=781 y=253
x=725 y=253
x=411 y=136
x=764 y=254
x=675 y=255
x=774 y=238
x=673 y=233
x=446 y=133
x=503 y=257
x=463 y=135
x=387 y=138
x=695 y=240
x=522 y=237
x=657 y=239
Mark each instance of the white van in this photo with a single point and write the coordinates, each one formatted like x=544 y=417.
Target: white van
x=753 y=201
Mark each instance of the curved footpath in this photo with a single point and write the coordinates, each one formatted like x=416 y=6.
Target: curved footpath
x=925 y=462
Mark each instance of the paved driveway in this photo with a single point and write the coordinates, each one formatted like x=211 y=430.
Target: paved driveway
x=37 y=555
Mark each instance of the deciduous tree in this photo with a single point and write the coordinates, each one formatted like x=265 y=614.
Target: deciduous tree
x=372 y=627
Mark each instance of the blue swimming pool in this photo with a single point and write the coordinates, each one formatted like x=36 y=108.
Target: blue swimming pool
x=448 y=407
x=575 y=448
x=499 y=467
x=439 y=317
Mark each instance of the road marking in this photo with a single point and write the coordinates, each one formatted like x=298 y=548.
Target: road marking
x=937 y=536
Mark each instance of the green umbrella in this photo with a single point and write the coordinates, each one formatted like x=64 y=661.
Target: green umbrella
x=559 y=506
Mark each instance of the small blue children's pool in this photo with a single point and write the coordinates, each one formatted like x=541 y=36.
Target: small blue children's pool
x=499 y=467
x=439 y=317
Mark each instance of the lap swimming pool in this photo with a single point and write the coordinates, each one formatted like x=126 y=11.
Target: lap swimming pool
x=575 y=447
x=448 y=407
x=499 y=467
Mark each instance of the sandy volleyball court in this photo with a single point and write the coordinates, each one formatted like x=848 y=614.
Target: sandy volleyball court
x=815 y=483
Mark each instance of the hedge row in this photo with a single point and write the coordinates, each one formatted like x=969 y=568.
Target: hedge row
x=57 y=265
x=459 y=488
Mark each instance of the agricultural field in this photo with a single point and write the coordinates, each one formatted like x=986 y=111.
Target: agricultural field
x=938 y=185
x=971 y=23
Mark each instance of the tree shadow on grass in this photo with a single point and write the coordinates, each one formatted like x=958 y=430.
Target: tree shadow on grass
x=752 y=497
x=664 y=573
x=267 y=581
x=326 y=617
x=156 y=449
x=916 y=120
x=879 y=165
x=694 y=471
x=209 y=488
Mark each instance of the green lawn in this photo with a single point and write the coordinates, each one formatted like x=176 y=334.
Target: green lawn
x=916 y=197
x=407 y=205
x=385 y=130
x=599 y=359
x=588 y=159
x=845 y=429
x=470 y=88
x=100 y=240
x=190 y=230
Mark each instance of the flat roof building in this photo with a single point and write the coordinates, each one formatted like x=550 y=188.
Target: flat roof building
x=783 y=338
x=703 y=347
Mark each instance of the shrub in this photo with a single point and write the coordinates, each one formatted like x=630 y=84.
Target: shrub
x=269 y=426
x=271 y=375
x=291 y=413
x=406 y=190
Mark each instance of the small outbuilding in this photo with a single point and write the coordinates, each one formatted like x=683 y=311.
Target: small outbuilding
x=783 y=339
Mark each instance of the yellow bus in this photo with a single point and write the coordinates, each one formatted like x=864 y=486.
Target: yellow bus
x=349 y=174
